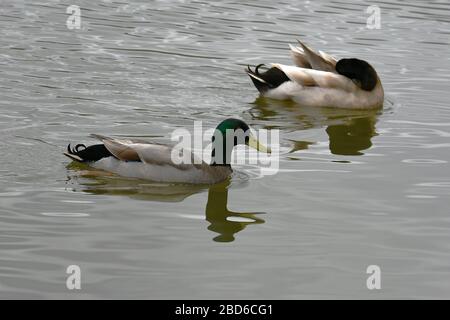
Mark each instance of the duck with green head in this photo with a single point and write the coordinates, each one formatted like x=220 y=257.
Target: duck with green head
x=137 y=159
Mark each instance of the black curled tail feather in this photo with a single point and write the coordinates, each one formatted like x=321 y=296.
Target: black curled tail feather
x=259 y=82
x=75 y=149
x=81 y=153
x=270 y=79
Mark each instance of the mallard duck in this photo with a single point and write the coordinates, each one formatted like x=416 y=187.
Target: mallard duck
x=319 y=80
x=137 y=159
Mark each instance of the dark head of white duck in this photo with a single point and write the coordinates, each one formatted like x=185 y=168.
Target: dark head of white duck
x=360 y=71
x=228 y=134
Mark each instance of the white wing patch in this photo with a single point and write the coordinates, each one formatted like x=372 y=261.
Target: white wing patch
x=317 y=78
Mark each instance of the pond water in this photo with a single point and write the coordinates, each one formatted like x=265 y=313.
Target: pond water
x=354 y=188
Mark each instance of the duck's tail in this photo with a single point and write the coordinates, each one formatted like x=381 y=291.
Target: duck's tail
x=265 y=81
x=87 y=154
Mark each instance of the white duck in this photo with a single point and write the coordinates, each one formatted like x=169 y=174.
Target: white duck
x=319 y=80
x=137 y=159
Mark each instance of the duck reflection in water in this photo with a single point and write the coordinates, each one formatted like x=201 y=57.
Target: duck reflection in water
x=350 y=132
x=222 y=221
x=352 y=137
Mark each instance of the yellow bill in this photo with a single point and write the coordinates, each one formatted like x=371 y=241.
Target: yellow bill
x=254 y=143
